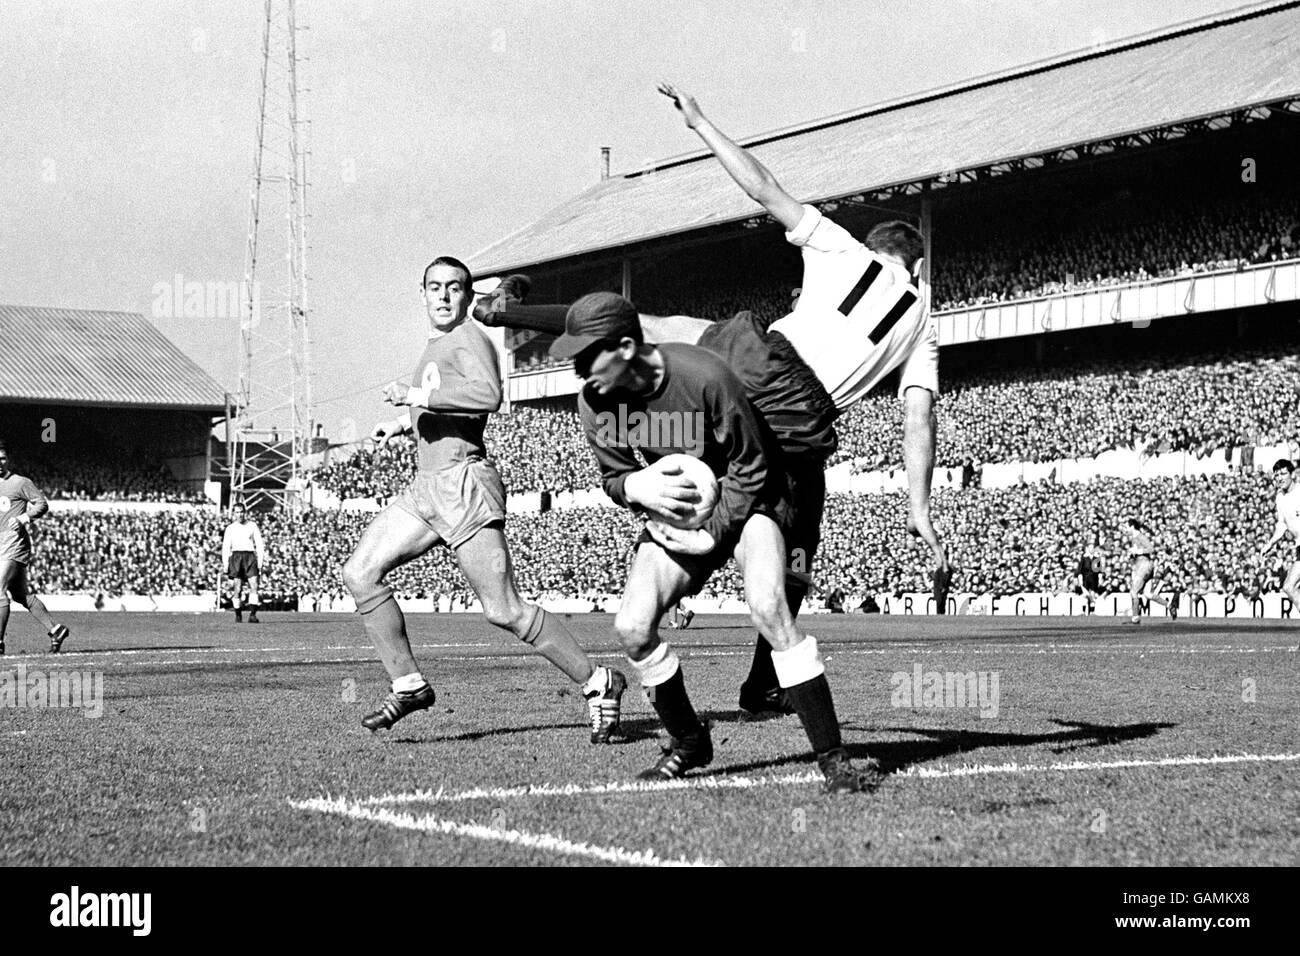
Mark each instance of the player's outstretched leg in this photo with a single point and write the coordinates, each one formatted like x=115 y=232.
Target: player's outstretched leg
x=655 y=583
x=393 y=538
x=485 y=561
x=504 y=306
x=7 y=571
x=798 y=664
x=13 y=580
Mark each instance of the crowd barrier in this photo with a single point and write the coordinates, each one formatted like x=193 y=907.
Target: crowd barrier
x=1274 y=606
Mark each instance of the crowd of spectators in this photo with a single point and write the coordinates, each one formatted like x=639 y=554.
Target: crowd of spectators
x=1204 y=403
x=1156 y=403
x=81 y=478
x=1029 y=538
x=1134 y=241
x=1023 y=538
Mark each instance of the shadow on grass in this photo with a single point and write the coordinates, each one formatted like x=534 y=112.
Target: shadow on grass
x=632 y=732
x=895 y=755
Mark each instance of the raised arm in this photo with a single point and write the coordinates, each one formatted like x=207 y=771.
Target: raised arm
x=750 y=175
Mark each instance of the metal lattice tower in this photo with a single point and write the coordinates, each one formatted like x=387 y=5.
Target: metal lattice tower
x=273 y=419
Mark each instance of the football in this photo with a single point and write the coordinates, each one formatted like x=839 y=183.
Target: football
x=705 y=482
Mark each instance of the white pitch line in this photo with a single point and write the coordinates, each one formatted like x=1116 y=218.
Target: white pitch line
x=576 y=789
x=1190 y=760
x=793 y=779
x=477 y=831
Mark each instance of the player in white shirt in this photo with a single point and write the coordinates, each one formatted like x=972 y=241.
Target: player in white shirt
x=1288 y=520
x=1144 y=583
x=243 y=555
x=859 y=316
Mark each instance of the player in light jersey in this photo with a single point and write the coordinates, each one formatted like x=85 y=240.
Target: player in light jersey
x=20 y=503
x=243 y=555
x=458 y=500
x=1288 y=520
x=1144 y=583
x=859 y=316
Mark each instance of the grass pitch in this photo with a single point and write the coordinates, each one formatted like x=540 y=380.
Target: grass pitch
x=1173 y=743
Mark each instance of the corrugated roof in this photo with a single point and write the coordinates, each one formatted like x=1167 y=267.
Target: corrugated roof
x=97 y=358
x=1146 y=83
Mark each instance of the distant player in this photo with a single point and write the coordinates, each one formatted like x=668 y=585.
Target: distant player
x=1288 y=520
x=679 y=617
x=456 y=500
x=243 y=555
x=21 y=503
x=1089 y=573
x=689 y=402
x=859 y=316
x=1144 y=583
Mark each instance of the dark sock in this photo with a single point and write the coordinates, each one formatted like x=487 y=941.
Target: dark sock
x=674 y=707
x=762 y=672
x=536 y=318
x=812 y=702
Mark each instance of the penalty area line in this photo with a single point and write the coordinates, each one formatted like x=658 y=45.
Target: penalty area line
x=522 y=838
x=725 y=782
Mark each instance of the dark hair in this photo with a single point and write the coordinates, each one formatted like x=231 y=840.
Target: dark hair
x=897 y=238
x=1282 y=464
x=447 y=261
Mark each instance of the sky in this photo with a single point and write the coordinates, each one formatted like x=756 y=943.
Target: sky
x=127 y=134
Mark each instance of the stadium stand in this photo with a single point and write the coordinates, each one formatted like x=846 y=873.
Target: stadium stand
x=1170 y=401
x=100 y=405
x=1023 y=538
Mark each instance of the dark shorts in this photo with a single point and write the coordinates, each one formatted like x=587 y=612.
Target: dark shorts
x=457 y=502
x=1091 y=581
x=782 y=387
x=242 y=566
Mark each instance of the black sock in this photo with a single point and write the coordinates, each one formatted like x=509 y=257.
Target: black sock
x=674 y=707
x=812 y=702
x=762 y=672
